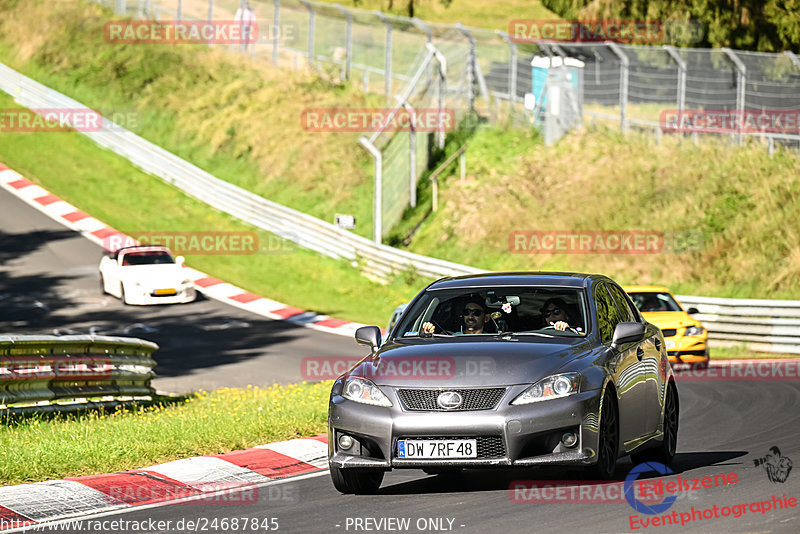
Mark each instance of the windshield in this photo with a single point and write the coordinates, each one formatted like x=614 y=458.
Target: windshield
x=654 y=302
x=146 y=258
x=523 y=310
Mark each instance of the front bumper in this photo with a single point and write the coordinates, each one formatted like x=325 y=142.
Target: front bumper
x=687 y=349
x=146 y=296
x=507 y=435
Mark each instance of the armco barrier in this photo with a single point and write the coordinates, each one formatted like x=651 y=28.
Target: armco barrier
x=49 y=369
x=764 y=325
x=378 y=261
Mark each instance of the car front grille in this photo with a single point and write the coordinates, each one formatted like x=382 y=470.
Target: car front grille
x=474 y=399
x=669 y=332
x=489 y=447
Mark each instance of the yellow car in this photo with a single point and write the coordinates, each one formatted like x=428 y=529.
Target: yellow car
x=685 y=336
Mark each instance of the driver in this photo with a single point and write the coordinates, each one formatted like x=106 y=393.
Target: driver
x=474 y=318
x=554 y=313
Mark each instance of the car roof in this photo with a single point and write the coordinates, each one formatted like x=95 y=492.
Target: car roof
x=536 y=278
x=646 y=289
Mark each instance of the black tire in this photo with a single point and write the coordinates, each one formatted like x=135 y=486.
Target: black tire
x=358 y=481
x=608 y=445
x=445 y=471
x=122 y=294
x=664 y=453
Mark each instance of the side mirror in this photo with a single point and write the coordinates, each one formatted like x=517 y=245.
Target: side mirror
x=369 y=335
x=627 y=333
x=179 y=260
x=692 y=311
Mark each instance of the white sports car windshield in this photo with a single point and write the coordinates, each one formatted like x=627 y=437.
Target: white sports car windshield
x=520 y=310
x=146 y=258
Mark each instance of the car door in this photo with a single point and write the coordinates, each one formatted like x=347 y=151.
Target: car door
x=627 y=371
x=649 y=352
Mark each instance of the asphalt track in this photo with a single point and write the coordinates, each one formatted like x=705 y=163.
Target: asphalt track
x=49 y=285
x=48 y=281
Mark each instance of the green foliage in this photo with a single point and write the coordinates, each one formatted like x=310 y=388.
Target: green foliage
x=762 y=25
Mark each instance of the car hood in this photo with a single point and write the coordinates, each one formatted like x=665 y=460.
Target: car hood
x=434 y=363
x=167 y=273
x=670 y=319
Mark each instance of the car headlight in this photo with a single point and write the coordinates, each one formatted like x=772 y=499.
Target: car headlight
x=364 y=391
x=694 y=331
x=552 y=387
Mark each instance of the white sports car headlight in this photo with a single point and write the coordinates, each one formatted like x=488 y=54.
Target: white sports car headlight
x=364 y=391
x=552 y=387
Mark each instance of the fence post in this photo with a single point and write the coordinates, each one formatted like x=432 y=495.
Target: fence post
x=348 y=40
x=512 y=69
x=139 y=9
x=387 y=61
x=624 y=67
x=741 y=86
x=681 y=77
x=427 y=30
x=120 y=7
x=310 y=9
x=179 y=13
x=377 y=207
x=441 y=90
x=276 y=20
x=210 y=10
x=470 y=66
x=412 y=156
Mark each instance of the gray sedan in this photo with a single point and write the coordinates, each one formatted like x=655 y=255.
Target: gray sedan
x=505 y=369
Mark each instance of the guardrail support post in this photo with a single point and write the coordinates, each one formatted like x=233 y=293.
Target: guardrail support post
x=310 y=9
x=377 y=207
x=179 y=12
x=624 y=68
x=276 y=21
x=120 y=7
x=387 y=61
x=348 y=40
x=210 y=10
x=512 y=69
x=681 y=77
x=741 y=86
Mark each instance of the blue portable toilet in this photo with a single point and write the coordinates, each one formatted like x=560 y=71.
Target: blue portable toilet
x=543 y=69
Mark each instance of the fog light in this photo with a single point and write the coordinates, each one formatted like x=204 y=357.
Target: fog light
x=345 y=441
x=569 y=439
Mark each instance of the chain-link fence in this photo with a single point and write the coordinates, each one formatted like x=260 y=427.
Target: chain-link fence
x=554 y=86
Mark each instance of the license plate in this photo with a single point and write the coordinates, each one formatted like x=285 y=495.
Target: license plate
x=169 y=291
x=670 y=344
x=437 y=448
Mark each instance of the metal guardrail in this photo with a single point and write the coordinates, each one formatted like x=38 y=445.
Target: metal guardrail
x=379 y=262
x=47 y=370
x=764 y=325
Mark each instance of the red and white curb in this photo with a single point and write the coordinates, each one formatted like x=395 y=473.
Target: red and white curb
x=97 y=231
x=230 y=478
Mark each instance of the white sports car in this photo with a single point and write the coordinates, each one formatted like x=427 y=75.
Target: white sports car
x=145 y=274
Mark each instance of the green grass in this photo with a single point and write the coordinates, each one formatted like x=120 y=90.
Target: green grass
x=44 y=447
x=108 y=187
x=238 y=119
